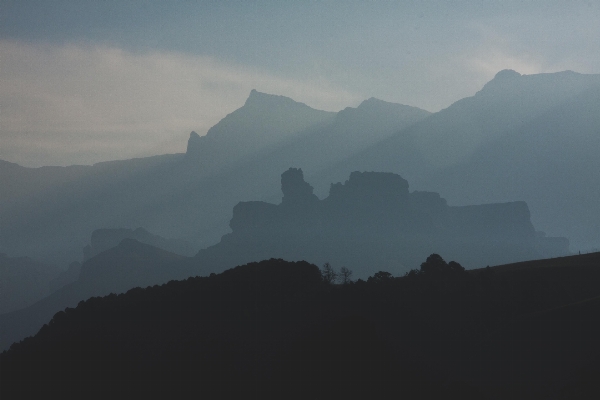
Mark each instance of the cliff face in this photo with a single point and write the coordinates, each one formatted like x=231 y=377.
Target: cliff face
x=372 y=222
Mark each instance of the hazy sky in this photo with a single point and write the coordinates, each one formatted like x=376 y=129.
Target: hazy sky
x=87 y=81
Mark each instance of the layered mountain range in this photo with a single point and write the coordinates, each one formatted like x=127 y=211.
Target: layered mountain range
x=49 y=212
x=369 y=223
x=531 y=138
x=518 y=158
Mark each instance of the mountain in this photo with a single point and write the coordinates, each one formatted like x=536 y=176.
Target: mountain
x=529 y=138
x=353 y=130
x=372 y=221
x=522 y=137
x=263 y=122
x=51 y=211
x=128 y=265
x=23 y=281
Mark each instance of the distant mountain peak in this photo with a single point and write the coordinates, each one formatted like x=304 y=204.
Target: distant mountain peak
x=555 y=84
x=506 y=78
x=257 y=98
x=377 y=107
x=507 y=74
x=372 y=101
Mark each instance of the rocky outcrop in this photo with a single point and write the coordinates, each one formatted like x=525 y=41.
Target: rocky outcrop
x=372 y=222
x=296 y=191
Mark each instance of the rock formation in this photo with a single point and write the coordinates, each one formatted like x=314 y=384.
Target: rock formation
x=372 y=222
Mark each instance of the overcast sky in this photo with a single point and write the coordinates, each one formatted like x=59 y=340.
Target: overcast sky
x=87 y=81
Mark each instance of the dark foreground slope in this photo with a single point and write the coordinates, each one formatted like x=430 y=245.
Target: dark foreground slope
x=277 y=329
x=271 y=329
x=128 y=265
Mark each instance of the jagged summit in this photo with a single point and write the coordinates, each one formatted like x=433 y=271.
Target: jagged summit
x=264 y=121
x=370 y=187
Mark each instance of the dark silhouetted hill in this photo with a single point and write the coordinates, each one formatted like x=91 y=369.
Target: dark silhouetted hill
x=289 y=339
x=372 y=221
x=278 y=329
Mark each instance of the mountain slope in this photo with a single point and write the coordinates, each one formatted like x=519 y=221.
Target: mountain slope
x=522 y=137
x=130 y=264
x=263 y=122
x=277 y=329
x=187 y=196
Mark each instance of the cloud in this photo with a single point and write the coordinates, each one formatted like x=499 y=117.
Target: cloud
x=77 y=103
x=532 y=44
x=492 y=61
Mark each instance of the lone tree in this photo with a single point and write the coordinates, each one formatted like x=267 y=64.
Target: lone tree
x=436 y=266
x=380 y=277
x=345 y=275
x=328 y=273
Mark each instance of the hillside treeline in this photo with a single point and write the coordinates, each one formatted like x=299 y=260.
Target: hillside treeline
x=294 y=330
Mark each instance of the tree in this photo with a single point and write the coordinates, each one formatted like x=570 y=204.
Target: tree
x=345 y=275
x=328 y=273
x=455 y=267
x=433 y=265
x=380 y=277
